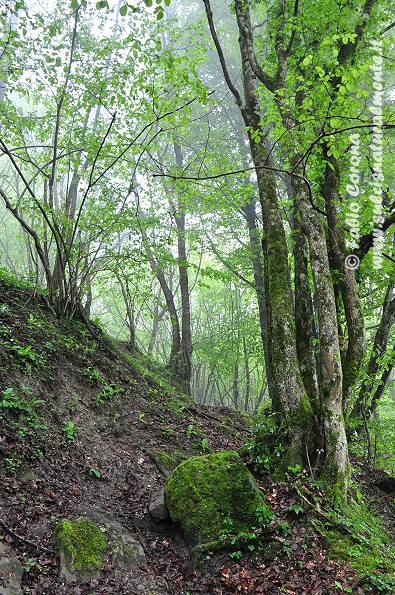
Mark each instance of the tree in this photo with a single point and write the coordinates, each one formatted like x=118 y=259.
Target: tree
x=319 y=242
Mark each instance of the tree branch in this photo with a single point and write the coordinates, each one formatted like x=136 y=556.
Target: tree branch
x=244 y=24
x=220 y=53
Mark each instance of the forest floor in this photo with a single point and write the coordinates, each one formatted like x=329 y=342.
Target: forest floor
x=101 y=442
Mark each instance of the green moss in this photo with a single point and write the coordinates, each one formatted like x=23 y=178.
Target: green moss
x=336 y=482
x=342 y=547
x=170 y=460
x=366 y=546
x=84 y=542
x=204 y=491
x=302 y=417
x=336 y=490
x=350 y=374
x=370 y=561
x=305 y=412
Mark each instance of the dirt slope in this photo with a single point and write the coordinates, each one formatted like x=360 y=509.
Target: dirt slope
x=84 y=432
x=112 y=460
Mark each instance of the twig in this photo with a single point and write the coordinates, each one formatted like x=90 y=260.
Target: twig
x=308 y=461
x=193 y=410
x=24 y=540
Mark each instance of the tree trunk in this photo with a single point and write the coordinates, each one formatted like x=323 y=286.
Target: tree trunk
x=336 y=463
x=304 y=313
x=290 y=398
x=354 y=354
x=364 y=403
x=254 y=235
x=186 y=338
x=247 y=376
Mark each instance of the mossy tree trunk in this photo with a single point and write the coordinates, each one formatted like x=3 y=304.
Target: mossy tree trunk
x=304 y=310
x=304 y=384
x=336 y=461
x=290 y=400
x=355 y=350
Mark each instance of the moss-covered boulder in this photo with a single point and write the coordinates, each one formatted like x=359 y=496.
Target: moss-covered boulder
x=207 y=494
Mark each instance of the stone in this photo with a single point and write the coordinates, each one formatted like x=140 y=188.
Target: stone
x=143 y=584
x=84 y=544
x=153 y=585
x=212 y=494
x=126 y=551
x=386 y=484
x=157 y=507
x=11 y=571
x=40 y=529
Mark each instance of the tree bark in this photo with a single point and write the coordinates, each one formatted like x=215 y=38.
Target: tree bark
x=355 y=351
x=186 y=336
x=291 y=398
x=366 y=401
x=254 y=235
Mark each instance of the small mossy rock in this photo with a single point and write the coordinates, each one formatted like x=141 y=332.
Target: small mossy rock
x=81 y=546
x=88 y=541
x=124 y=549
x=204 y=491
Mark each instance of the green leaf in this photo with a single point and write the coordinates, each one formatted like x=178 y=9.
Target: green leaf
x=123 y=10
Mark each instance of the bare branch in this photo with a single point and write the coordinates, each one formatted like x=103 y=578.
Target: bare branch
x=220 y=53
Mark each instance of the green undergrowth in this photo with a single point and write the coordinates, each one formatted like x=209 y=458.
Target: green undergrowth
x=22 y=282
x=23 y=423
x=382 y=434
x=358 y=536
x=166 y=397
x=143 y=366
x=264 y=447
